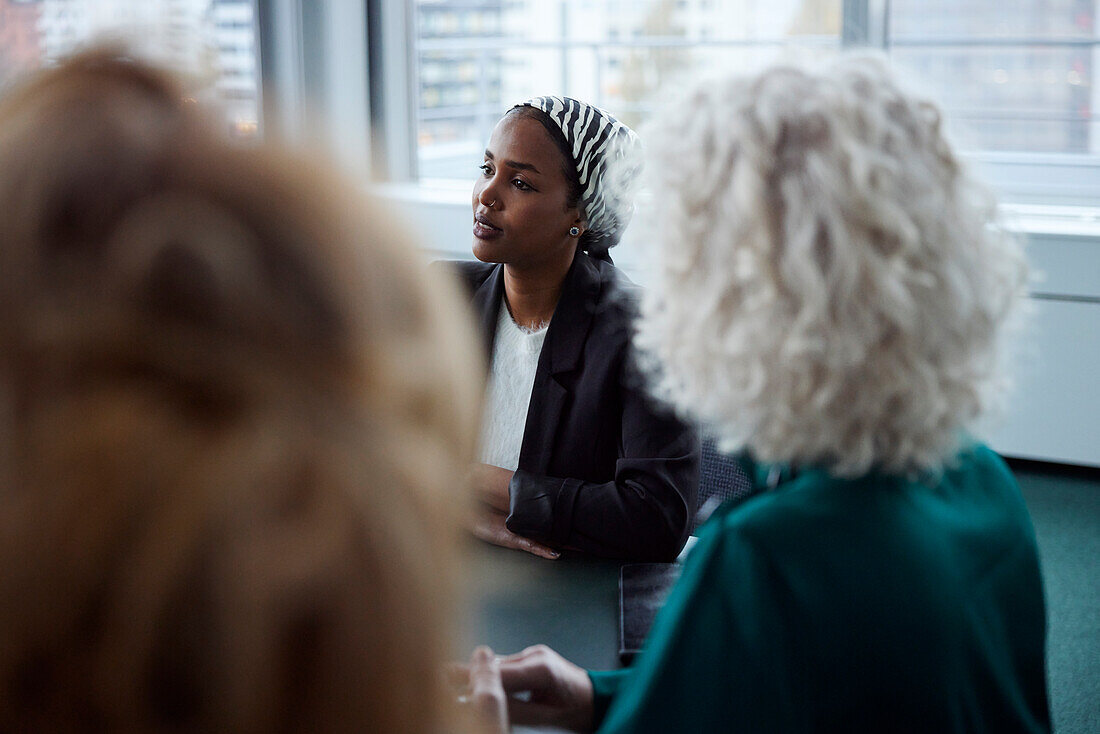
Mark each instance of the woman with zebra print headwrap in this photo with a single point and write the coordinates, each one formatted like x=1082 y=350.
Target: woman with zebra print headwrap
x=573 y=453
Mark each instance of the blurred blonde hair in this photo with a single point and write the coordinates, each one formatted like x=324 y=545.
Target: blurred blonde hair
x=830 y=283
x=232 y=412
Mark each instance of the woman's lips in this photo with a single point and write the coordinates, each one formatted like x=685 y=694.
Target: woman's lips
x=485 y=232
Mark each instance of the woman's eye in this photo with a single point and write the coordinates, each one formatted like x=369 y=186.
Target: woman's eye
x=484 y=168
x=520 y=184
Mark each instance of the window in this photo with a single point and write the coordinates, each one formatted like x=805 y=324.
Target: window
x=209 y=39
x=1015 y=77
x=475 y=59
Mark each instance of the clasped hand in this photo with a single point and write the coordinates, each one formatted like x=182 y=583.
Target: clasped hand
x=554 y=691
x=490 y=488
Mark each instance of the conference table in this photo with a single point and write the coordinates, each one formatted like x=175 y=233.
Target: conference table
x=519 y=600
x=570 y=604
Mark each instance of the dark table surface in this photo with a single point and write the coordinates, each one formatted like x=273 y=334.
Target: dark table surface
x=570 y=604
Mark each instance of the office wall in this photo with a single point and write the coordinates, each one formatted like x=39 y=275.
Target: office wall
x=1054 y=412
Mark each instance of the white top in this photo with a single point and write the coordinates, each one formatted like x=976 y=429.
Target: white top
x=512 y=375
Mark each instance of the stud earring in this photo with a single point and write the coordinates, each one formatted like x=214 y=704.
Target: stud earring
x=574 y=231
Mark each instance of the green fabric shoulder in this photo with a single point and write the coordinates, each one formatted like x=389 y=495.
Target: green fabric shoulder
x=880 y=602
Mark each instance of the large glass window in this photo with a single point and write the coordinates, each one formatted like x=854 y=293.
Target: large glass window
x=1013 y=75
x=1016 y=77
x=213 y=41
x=476 y=58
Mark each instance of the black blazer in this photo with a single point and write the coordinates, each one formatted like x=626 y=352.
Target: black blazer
x=602 y=468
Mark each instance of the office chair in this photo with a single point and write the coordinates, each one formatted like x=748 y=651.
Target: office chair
x=721 y=478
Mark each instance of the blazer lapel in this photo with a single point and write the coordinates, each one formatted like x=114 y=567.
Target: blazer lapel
x=561 y=353
x=486 y=304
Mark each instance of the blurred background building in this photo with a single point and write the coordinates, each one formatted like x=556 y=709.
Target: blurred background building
x=20 y=44
x=478 y=58
x=212 y=41
x=1013 y=75
x=1019 y=75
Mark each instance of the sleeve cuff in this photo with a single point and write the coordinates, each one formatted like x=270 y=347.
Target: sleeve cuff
x=541 y=508
x=605 y=684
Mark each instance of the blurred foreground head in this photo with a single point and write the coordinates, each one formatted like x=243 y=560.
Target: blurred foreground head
x=230 y=406
x=831 y=285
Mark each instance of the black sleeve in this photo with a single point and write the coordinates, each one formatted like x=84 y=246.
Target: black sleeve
x=644 y=514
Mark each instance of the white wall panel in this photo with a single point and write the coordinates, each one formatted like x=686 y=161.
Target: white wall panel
x=1054 y=413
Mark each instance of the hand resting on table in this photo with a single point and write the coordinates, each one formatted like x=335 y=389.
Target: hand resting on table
x=535 y=687
x=490 y=488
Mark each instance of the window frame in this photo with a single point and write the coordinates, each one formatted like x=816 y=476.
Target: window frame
x=1070 y=179
x=314 y=66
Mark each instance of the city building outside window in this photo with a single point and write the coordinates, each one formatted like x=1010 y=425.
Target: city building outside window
x=1016 y=78
x=1014 y=75
x=212 y=41
x=475 y=59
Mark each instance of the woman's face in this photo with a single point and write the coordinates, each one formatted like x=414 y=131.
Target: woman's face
x=520 y=201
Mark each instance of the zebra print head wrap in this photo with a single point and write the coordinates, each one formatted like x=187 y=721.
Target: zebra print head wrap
x=607 y=155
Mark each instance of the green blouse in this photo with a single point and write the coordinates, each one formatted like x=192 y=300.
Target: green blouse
x=878 y=604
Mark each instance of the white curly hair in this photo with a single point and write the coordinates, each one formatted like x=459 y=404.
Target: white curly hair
x=829 y=284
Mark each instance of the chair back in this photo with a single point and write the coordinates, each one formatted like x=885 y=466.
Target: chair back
x=721 y=478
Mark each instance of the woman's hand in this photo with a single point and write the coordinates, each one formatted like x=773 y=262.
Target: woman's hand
x=490 y=487
x=536 y=687
x=486 y=692
x=561 y=692
x=489 y=526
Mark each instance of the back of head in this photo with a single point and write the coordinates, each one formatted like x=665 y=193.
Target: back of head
x=831 y=284
x=226 y=428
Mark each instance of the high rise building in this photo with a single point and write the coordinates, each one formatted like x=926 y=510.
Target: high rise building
x=211 y=41
x=234 y=25
x=168 y=31
x=1012 y=75
x=19 y=46
x=478 y=57
x=458 y=84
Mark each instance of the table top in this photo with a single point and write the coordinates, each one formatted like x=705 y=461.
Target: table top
x=518 y=600
x=570 y=604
